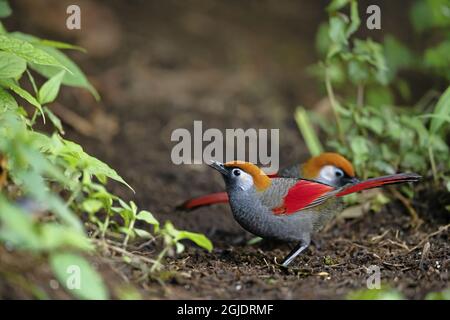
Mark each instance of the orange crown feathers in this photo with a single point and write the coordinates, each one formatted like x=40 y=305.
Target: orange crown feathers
x=260 y=179
x=313 y=166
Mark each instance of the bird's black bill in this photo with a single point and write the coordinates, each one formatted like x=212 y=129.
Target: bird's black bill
x=219 y=167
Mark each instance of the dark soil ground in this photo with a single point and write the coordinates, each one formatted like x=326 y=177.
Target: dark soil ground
x=160 y=66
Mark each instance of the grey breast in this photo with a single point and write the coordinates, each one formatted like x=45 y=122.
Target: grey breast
x=253 y=211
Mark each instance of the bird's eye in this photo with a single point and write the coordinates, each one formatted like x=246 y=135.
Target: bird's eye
x=237 y=172
x=339 y=173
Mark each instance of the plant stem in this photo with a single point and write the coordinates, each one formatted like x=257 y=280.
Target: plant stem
x=334 y=105
x=33 y=118
x=158 y=260
x=127 y=237
x=360 y=96
x=433 y=163
x=105 y=225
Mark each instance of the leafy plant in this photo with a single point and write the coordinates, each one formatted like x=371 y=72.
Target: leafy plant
x=361 y=78
x=52 y=182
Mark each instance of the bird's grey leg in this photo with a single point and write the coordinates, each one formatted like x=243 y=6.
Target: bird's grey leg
x=302 y=245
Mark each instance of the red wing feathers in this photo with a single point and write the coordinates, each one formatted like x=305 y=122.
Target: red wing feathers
x=304 y=194
x=379 y=182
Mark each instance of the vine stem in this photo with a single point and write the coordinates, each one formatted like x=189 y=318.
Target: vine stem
x=334 y=105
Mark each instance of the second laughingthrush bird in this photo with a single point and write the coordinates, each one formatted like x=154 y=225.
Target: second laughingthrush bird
x=288 y=209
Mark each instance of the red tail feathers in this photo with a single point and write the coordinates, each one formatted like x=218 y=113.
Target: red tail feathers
x=378 y=182
x=213 y=198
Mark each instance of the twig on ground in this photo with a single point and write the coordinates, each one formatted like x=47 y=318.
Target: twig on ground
x=398 y=244
x=440 y=230
x=122 y=251
x=380 y=237
x=425 y=253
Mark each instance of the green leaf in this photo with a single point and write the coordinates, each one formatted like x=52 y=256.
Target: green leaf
x=179 y=247
x=437 y=58
x=54 y=119
x=78 y=277
x=124 y=205
x=11 y=66
x=254 y=240
x=420 y=16
x=308 y=133
x=379 y=96
x=398 y=56
x=322 y=39
x=358 y=72
x=5 y=9
x=337 y=31
x=55 y=236
x=359 y=147
x=149 y=218
x=16 y=226
x=428 y=14
x=373 y=123
x=355 y=21
x=91 y=205
x=59 y=45
x=11 y=85
x=143 y=234
x=76 y=77
x=441 y=111
x=49 y=90
x=28 y=52
x=198 y=238
x=7 y=101
x=76 y=157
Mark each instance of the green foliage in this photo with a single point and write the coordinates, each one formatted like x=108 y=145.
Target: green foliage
x=362 y=78
x=74 y=77
x=304 y=124
x=443 y=295
x=27 y=51
x=5 y=9
x=78 y=276
x=174 y=236
x=53 y=182
x=385 y=293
